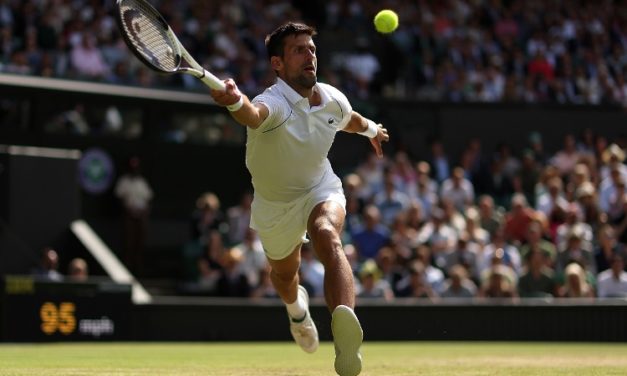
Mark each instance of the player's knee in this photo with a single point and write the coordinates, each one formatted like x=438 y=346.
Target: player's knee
x=325 y=229
x=283 y=276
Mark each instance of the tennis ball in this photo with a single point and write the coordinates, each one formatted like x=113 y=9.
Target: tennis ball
x=386 y=21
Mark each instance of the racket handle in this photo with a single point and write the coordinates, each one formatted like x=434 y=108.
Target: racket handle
x=212 y=81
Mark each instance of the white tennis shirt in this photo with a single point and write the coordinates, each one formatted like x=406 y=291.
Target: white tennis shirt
x=287 y=154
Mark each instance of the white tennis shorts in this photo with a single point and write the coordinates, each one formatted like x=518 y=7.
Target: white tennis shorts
x=283 y=225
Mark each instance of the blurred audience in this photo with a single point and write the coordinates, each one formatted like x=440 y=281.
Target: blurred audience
x=77 y=270
x=612 y=283
x=568 y=247
x=459 y=51
x=48 y=268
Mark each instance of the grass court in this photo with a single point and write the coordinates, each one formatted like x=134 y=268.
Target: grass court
x=286 y=359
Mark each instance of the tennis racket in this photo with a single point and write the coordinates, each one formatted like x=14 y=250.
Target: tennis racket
x=152 y=40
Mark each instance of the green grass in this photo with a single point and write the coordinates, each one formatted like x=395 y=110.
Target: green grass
x=283 y=359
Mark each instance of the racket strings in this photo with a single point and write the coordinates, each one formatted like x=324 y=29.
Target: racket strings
x=147 y=34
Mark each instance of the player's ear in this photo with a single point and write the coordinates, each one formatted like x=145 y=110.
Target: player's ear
x=276 y=63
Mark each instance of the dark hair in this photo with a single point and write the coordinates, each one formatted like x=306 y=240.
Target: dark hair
x=275 y=40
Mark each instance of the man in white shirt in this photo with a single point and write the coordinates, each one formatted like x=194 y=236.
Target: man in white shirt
x=291 y=127
x=135 y=195
x=612 y=283
x=458 y=189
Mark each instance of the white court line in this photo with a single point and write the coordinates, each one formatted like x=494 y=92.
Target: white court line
x=109 y=262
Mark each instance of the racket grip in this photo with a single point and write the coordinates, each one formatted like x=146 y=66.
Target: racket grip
x=212 y=81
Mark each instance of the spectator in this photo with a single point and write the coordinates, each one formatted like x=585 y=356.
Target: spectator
x=580 y=176
x=253 y=256
x=434 y=275
x=518 y=219
x=576 y=284
x=566 y=158
x=576 y=251
x=452 y=216
x=371 y=285
x=535 y=240
x=373 y=236
x=458 y=189
x=458 y=285
x=371 y=173
x=78 y=270
x=606 y=248
x=499 y=185
x=612 y=283
x=498 y=284
x=527 y=176
x=536 y=145
x=489 y=218
x=48 y=268
x=391 y=200
x=207 y=217
x=475 y=232
x=312 y=270
x=414 y=285
x=392 y=270
x=264 y=289
x=87 y=59
x=440 y=237
x=439 y=161
x=501 y=248
x=573 y=222
x=362 y=66
x=608 y=189
x=465 y=254
x=587 y=200
x=405 y=177
x=537 y=280
x=135 y=194
x=475 y=164
x=613 y=157
x=210 y=265
x=238 y=218
x=232 y=281
x=423 y=175
x=552 y=202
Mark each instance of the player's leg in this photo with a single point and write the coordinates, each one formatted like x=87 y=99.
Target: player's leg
x=324 y=227
x=284 y=276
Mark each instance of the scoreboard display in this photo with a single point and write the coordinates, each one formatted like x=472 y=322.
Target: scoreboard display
x=36 y=310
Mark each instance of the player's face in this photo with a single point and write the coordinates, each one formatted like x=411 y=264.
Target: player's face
x=299 y=62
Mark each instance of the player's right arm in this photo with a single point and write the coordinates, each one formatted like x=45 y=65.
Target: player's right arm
x=248 y=114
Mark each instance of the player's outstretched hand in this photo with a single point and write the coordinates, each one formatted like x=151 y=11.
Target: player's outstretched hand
x=228 y=96
x=382 y=136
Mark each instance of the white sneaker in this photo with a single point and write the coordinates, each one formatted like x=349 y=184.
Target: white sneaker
x=347 y=337
x=304 y=331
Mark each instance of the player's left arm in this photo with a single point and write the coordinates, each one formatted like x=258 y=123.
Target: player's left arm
x=366 y=127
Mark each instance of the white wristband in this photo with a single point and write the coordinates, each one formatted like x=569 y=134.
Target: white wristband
x=372 y=131
x=237 y=105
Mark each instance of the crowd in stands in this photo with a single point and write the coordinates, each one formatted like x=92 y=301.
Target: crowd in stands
x=454 y=50
x=48 y=268
x=547 y=224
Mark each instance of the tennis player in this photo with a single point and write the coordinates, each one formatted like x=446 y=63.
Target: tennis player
x=291 y=127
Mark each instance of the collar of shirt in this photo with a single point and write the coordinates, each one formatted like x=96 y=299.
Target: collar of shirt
x=298 y=100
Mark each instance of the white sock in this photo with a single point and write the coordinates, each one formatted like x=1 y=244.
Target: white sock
x=298 y=309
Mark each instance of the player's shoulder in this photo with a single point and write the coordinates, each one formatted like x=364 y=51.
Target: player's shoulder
x=271 y=94
x=332 y=91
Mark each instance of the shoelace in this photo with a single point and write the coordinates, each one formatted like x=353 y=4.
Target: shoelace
x=304 y=329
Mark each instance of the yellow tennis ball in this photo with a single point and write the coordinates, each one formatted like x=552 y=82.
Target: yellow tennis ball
x=386 y=21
